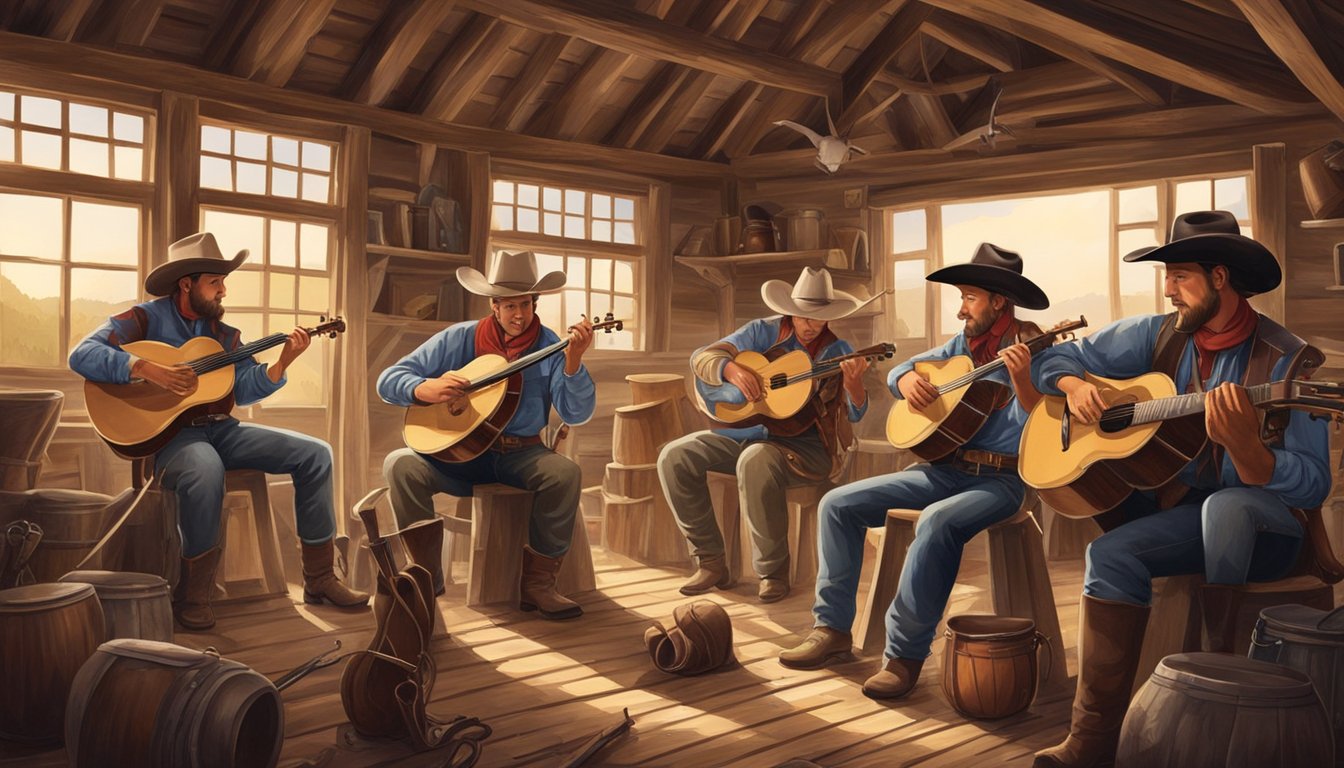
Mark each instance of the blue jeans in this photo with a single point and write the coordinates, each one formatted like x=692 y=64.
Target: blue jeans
x=1232 y=536
x=956 y=506
x=193 y=464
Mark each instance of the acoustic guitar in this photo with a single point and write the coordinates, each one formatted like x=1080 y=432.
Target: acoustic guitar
x=1143 y=439
x=965 y=400
x=462 y=430
x=787 y=383
x=139 y=418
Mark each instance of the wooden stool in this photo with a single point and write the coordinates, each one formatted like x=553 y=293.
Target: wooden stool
x=801 y=502
x=1019 y=584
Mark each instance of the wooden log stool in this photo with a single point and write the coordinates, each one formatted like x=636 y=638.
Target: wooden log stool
x=1019 y=584
x=801 y=502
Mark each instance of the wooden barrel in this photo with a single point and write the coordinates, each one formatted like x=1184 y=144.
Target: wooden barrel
x=46 y=633
x=1213 y=709
x=639 y=431
x=648 y=387
x=1322 y=186
x=135 y=605
x=72 y=521
x=989 y=665
x=141 y=702
x=1312 y=642
x=30 y=418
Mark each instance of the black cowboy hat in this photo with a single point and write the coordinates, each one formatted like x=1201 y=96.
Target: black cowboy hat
x=1213 y=237
x=998 y=270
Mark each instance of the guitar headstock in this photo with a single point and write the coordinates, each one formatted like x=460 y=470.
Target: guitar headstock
x=877 y=351
x=327 y=327
x=1324 y=398
x=609 y=324
x=1061 y=331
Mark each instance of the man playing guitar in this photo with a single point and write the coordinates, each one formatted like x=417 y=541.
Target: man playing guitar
x=1229 y=513
x=766 y=460
x=960 y=495
x=192 y=464
x=517 y=457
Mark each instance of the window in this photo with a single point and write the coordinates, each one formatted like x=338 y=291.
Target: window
x=910 y=254
x=45 y=131
x=592 y=236
x=255 y=163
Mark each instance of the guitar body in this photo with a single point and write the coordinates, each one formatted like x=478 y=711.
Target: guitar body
x=466 y=430
x=1099 y=470
x=778 y=404
x=138 y=419
x=951 y=420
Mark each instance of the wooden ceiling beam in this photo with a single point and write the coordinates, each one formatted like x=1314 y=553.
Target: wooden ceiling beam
x=1186 y=58
x=55 y=19
x=272 y=49
x=938 y=127
x=124 y=23
x=993 y=47
x=442 y=99
x=235 y=17
x=510 y=114
x=621 y=28
x=903 y=27
x=1291 y=29
x=1225 y=8
x=394 y=44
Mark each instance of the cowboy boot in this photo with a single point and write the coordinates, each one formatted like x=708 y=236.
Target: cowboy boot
x=1219 y=604
x=1109 y=641
x=319 y=580
x=195 y=584
x=896 y=678
x=712 y=572
x=537 y=589
x=424 y=547
x=774 y=586
x=821 y=645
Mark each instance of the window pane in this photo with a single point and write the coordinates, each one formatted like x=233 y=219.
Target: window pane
x=6 y=105
x=104 y=234
x=1193 y=196
x=625 y=277
x=910 y=299
x=550 y=308
x=574 y=226
x=234 y=232
x=503 y=192
x=216 y=173
x=41 y=150
x=244 y=290
x=31 y=226
x=284 y=243
x=1131 y=240
x=909 y=232
x=1230 y=195
x=529 y=195
x=249 y=144
x=574 y=199
x=316 y=187
x=89 y=157
x=249 y=325
x=550 y=198
x=602 y=206
x=130 y=163
x=529 y=220
x=576 y=304
x=599 y=304
x=316 y=157
x=213 y=138
x=30 y=314
x=625 y=232
x=574 y=273
x=97 y=294
x=625 y=208
x=602 y=230
x=130 y=128
x=623 y=307
x=38 y=110
x=551 y=224
x=1139 y=204
x=601 y=274
x=285 y=151
x=88 y=120
x=313 y=243
x=1140 y=287
x=284 y=183
x=251 y=178
x=6 y=144
x=501 y=217
x=314 y=294
x=282 y=290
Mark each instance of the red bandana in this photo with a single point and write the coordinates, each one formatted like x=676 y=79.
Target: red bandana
x=1208 y=343
x=184 y=307
x=491 y=339
x=985 y=347
x=814 y=349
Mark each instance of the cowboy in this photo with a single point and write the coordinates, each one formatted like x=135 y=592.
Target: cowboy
x=192 y=465
x=765 y=463
x=973 y=488
x=517 y=457
x=1228 y=512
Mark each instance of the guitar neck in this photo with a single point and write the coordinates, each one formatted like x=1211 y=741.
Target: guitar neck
x=1175 y=407
x=829 y=367
x=1035 y=345
x=202 y=365
x=518 y=365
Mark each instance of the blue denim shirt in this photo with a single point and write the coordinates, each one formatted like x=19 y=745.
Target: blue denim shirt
x=544 y=385
x=1124 y=349
x=1002 y=432
x=99 y=357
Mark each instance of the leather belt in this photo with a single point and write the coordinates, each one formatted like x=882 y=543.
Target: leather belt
x=208 y=419
x=506 y=443
x=975 y=461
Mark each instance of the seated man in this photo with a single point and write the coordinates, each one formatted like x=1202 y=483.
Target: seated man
x=961 y=495
x=517 y=457
x=1228 y=513
x=193 y=463
x=766 y=461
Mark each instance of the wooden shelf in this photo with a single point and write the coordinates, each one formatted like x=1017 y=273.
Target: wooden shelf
x=414 y=323
x=1322 y=223
x=721 y=270
x=434 y=257
x=1334 y=287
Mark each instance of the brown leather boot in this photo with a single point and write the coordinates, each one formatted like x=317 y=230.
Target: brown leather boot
x=424 y=546
x=195 y=584
x=896 y=678
x=712 y=573
x=1219 y=604
x=1110 y=638
x=319 y=580
x=821 y=645
x=537 y=590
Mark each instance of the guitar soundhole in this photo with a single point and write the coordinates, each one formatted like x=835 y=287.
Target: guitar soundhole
x=458 y=408
x=778 y=381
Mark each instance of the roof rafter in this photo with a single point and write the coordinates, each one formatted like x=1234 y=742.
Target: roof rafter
x=275 y=45
x=1290 y=29
x=510 y=113
x=395 y=43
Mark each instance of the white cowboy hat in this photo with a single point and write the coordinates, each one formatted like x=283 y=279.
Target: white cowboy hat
x=512 y=274
x=813 y=297
x=196 y=253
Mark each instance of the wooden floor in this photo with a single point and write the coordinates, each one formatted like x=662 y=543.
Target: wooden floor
x=545 y=686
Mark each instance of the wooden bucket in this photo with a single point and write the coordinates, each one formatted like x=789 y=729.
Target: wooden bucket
x=1213 y=709
x=1312 y=642
x=72 y=522
x=30 y=418
x=46 y=633
x=140 y=702
x=989 y=665
x=649 y=387
x=639 y=431
x=135 y=605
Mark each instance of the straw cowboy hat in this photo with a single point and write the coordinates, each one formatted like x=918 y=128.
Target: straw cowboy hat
x=1213 y=237
x=813 y=297
x=188 y=256
x=512 y=274
x=994 y=269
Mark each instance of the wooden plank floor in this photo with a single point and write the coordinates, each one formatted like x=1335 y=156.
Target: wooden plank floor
x=544 y=687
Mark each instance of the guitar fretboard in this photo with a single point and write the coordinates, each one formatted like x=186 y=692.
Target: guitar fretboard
x=824 y=368
x=1173 y=407
x=219 y=360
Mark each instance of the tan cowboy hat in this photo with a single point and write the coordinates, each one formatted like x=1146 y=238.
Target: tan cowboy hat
x=512 y=274
x=196 y=253
x=813 y=297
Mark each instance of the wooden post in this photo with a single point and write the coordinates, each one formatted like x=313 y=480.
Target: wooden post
x=657 y=303
x=348 y=418
x=177 y=171
x=1269 y=211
